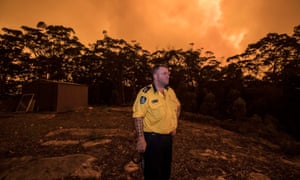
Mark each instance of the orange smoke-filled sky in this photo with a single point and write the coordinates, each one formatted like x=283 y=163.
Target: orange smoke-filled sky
x=225 y=27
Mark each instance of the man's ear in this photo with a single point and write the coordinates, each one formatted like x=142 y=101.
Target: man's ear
x=154 y=76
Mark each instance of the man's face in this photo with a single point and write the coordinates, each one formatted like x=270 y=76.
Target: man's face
x=162 y=76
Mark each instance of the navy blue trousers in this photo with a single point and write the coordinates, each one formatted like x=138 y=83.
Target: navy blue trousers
x=157 y=157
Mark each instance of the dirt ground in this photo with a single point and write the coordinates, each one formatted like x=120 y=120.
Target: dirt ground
x=99 y=142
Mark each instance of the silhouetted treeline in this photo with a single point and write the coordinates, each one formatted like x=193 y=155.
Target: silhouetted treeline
x=264 y=80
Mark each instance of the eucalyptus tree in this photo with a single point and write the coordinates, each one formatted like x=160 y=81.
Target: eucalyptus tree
x=175 y=60
x=87 y=68
x=210 y=70
x=12 y=60
x=54 y=49
x=232 y=73
x=293 y=66
x=137 y=68
x=122 y=66
x=36 y=44
x=192 y=64
x=297 y=33
x=291 y=72
x=111 y=65
x=266 y=59
x=249 y=65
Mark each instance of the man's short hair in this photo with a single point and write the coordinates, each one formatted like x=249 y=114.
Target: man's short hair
x=157 y=66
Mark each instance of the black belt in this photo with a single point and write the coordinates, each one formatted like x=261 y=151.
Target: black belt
x=156 y=134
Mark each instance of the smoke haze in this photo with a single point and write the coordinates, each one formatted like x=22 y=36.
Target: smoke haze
x=225 y=27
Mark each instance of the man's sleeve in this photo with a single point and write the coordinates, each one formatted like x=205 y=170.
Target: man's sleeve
x=139 y=106
x=175 y=98
x=177 y=103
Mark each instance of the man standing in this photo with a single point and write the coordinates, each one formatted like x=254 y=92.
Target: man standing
x=156 y=111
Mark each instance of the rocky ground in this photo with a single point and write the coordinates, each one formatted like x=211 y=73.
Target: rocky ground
x=99 y=142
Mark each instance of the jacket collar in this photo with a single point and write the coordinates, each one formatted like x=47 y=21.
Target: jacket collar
x=155 y=89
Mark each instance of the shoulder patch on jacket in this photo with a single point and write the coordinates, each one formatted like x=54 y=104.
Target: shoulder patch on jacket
x=146 y=89
x=143 y=99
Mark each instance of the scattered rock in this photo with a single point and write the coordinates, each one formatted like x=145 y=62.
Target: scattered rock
x=60 y=142
x=90 y=132
x=76 y=165
x=257 y=176
x=131 y=167
x=208 y=153
x=95 y=143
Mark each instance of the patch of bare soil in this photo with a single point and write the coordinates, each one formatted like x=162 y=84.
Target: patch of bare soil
x=98 y=143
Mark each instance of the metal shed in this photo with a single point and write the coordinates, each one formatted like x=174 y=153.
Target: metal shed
x=56 y=96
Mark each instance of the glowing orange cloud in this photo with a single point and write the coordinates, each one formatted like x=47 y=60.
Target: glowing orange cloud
x=222 y=26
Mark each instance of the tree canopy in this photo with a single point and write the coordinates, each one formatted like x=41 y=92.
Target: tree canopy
x=115 y=69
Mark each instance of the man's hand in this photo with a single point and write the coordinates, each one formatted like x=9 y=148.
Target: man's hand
x=173 y=133
x=141 y=144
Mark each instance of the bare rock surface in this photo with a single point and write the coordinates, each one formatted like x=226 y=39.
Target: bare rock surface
x=99 y=143
x=74 y=165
